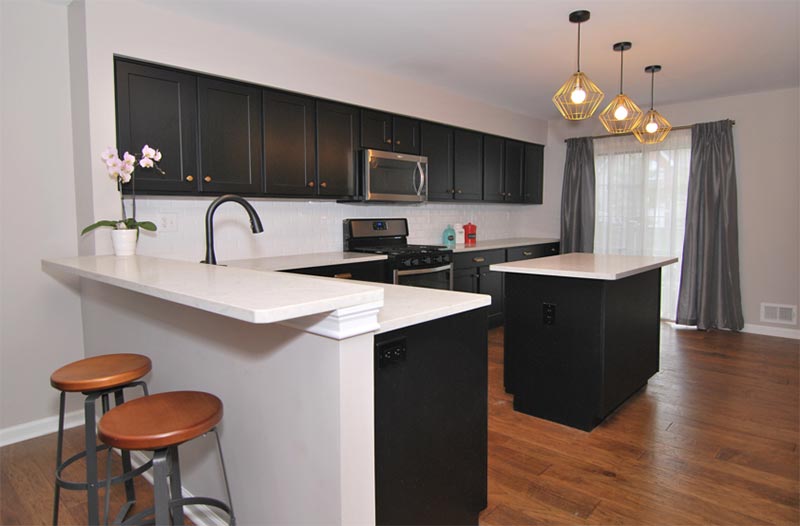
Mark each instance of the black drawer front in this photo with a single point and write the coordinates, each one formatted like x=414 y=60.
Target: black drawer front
x=479 y=258
x=532 y=251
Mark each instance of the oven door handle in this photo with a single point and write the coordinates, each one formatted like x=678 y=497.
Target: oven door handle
x=423 y=270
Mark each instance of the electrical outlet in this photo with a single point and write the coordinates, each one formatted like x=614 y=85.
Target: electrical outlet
x=167 y=222
x=549 y=313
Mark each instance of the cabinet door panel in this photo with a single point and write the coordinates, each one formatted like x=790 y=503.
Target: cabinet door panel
x=289 y=149
x=466 y=280
x=491 y=283
x=493 y=150
x=533 y=183
x=376 y=130
x=406 y=135
x=337 y=144
x=230 y=137
x=468 y=165
x=513 y=171
x=437 y=146
x=158 y=107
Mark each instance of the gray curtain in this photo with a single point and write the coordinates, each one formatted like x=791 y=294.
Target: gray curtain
x=709 y=294
x=577 y=197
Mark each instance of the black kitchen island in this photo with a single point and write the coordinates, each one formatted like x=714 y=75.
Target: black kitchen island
x=582 y=333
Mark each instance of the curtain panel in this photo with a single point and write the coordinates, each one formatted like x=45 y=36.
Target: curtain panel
x=577 y=197
x=709 y=294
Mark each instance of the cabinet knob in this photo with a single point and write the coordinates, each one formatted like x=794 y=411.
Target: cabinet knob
x=344 y=275
x=311 y=184
x=553 y=249
x=207 y=178
x=479 y=260
x=388 y=141
x=190 y=178
x=324 y=184
x=458 y=192
x=527 y=253
x=397 y=142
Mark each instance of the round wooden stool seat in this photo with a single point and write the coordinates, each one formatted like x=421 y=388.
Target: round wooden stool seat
x=101 y=372
x=161 y=420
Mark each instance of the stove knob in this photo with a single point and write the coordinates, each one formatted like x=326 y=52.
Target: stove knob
x=407 y=262
x=415 y=262
x=439 y=259
x=427 y=260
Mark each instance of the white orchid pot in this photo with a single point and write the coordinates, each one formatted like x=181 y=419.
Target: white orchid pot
x=124 y=241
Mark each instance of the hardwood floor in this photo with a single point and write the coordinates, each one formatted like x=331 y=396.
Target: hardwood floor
x=712 y=439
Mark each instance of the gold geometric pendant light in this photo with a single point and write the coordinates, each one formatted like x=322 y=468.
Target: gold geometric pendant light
x=579 y=97
x=622 y=114
x=652 y=128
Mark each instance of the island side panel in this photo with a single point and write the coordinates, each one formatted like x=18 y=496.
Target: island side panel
x=556 y=369
x=631 y=349
x=431 y=421
x=283 y=427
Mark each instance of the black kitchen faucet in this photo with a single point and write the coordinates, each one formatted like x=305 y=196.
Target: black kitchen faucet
x=255 y=223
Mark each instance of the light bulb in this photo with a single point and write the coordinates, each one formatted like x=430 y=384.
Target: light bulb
x=651 y=127
x=578 y=95
x=621 y=113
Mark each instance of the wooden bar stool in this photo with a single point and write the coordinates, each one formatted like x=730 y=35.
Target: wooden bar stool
x=96 y=377
x=160 y=423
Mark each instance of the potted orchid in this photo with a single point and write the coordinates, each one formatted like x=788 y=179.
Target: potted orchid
x=126 y=230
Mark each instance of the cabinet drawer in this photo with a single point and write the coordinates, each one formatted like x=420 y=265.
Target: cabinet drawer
x=479 y=258
x=532 y=251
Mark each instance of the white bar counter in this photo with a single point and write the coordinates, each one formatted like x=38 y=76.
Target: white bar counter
x=588 y=266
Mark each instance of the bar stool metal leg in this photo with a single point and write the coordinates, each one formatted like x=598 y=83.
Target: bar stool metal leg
x=160 y=487
x=175 y=484
x=130 y=492
x=225 y=477
x=59 y=453
x=91 y=461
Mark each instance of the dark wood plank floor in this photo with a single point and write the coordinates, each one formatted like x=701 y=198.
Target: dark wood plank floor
x=713 y=439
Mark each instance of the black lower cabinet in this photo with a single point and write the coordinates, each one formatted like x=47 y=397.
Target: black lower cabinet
x=375 y=271
x=431 y=421
x=472 y=274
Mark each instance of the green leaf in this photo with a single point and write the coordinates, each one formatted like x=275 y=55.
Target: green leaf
x=147 y=225
x=98 y=225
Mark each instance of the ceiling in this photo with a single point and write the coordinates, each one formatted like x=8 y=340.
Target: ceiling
x=515 y=54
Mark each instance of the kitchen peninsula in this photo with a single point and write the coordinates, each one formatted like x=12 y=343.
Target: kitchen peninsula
x=304 y=366
x=582 y=333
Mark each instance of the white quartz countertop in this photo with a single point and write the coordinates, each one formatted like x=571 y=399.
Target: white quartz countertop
x=266 y=296
x=589 y=266
x=512 y=242
x=322 y=259
x=244 y=294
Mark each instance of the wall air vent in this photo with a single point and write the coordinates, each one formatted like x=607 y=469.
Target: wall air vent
x=775 y=313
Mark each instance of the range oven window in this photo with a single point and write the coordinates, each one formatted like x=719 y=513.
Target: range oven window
x=440 y=278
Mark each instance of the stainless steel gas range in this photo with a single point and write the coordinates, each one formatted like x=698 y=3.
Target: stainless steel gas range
x=429 y=266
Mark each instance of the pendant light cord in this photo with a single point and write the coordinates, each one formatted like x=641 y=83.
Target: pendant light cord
x=621 y=63
x=652 y=82
x=579 y=47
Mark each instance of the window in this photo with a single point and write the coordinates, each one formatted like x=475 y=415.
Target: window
x=640 y=202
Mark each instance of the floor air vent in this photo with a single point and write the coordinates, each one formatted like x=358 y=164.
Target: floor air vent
x=774 y=313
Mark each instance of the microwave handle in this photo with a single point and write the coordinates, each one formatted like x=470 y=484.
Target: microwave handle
x=414 y=179
x=421 y=178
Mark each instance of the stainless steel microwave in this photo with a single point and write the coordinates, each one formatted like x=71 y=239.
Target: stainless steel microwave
x=389 y=176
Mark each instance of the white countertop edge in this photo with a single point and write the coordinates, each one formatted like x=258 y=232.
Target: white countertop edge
x=533 y=267
x=362 y=293
x=494 y=244
x=298 y=261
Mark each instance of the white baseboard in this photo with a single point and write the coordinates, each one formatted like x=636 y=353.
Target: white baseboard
x=768 y=330
x=37 y=428
x=200 y=514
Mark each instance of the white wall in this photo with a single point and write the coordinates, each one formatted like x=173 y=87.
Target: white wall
x=40 y=317
x=291 y=226
x=766 y=142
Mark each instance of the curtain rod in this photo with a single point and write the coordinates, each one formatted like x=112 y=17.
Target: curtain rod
x=684 y=127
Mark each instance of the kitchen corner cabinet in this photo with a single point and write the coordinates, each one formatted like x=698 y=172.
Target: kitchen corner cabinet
x=289 y=149
x=337 y=149
x=513 y=171
x=431 y=421
x=467 y=165
x=533 y=178
x=158 y=107
x=230 y=137
x=393 y=133
x=493 y=152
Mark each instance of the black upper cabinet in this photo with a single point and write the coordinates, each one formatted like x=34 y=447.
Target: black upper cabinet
x=533 y=181
x=376 y=130
x=289 y=149
x=493 y=152
x=468 y=165
x=337 y=146
x=158 y=107
x=230 y=137
x=512 y=176
x=405 y=135
x=437 y=146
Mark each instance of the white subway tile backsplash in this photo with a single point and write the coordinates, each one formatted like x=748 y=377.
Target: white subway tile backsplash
x=295 y=227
